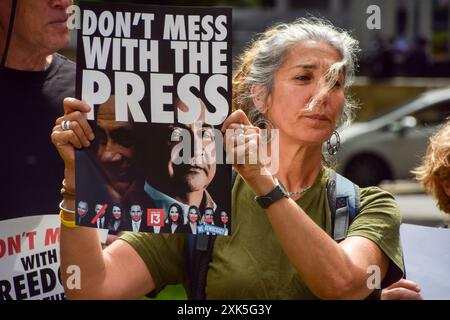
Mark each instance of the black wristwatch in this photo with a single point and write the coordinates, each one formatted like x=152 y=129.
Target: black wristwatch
x=276 y=194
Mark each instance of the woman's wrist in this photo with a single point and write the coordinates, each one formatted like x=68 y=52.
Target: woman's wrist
x=261 y=184
x=69 y=178
x=68 y=204
x=67 y=212
x=259 y=179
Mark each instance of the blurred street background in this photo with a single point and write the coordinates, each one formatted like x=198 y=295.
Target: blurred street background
x=400 y=85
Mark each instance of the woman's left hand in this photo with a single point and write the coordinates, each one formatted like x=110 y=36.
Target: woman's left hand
x=242 y=144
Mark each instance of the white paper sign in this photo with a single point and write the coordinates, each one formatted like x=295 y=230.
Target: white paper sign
x=427 y=259
x=29 y=258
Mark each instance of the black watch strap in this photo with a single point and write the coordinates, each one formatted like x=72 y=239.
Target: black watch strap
x=276 y=194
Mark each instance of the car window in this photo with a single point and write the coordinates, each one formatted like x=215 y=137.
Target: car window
x=434 y=114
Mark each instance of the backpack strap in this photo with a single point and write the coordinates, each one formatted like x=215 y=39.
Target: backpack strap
x=343 y=200
x=199 y=250
x=199 y=254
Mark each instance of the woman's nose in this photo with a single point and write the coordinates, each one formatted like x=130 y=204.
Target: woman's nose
x=320 y=94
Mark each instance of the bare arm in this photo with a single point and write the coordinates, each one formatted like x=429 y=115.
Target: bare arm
x=331 y=270
x=117 y=272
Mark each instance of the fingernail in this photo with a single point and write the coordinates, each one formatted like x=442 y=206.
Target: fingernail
x=91 y=136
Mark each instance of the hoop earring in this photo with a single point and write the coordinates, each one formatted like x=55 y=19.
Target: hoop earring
x=263 y=123
x=333 y=149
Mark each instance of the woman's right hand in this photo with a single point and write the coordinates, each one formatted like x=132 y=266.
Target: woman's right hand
x=246 y=144
x=78 y=135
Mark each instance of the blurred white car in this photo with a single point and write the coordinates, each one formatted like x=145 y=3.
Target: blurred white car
x=389 y=146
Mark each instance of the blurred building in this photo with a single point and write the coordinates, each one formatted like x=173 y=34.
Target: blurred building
x=413 y=39
x=413 y=31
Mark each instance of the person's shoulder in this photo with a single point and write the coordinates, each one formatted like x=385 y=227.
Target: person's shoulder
x=373 y=192
x=63 y=62
x=375 y=200
x=379 y=220
x=63 y=59
x=323 y=176
x=61 y=78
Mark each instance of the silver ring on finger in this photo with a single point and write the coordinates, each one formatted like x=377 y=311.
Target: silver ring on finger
x=65 y=125
x=241 y=138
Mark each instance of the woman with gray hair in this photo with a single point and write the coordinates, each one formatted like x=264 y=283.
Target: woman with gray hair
x=293 y=79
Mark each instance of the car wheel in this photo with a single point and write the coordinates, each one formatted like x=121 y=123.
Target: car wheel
x=367 y=170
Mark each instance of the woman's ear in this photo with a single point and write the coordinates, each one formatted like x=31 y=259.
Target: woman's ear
x=259 y=97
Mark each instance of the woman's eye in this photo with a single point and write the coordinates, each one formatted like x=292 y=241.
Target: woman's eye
x=303 y=78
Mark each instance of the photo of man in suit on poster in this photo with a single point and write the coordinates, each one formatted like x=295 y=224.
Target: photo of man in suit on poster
x=128 y=168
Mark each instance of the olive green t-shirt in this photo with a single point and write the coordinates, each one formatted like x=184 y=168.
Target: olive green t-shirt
x=250 y=264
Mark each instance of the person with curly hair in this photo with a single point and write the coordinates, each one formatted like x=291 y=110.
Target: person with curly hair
x=434 y=172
